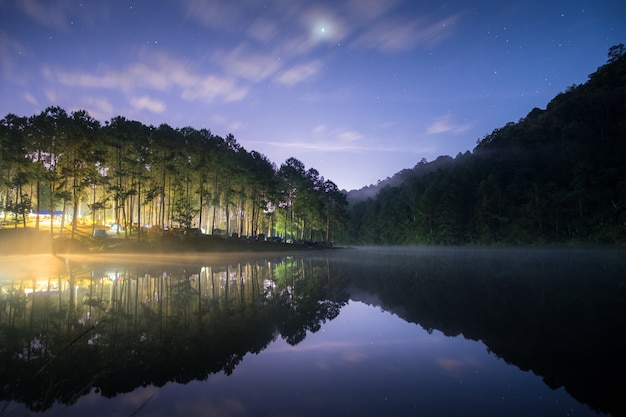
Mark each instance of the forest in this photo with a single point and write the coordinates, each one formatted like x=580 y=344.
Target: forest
x=557 y=176
x=68 y=169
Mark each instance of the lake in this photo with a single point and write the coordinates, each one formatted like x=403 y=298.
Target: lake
x=345 y=332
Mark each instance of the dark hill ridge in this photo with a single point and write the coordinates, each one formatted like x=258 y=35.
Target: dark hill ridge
x=421 y=168
x=557 y=175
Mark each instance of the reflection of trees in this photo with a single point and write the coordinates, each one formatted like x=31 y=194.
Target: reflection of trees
x=303 y=306
x=115 y=328
x=557 y=313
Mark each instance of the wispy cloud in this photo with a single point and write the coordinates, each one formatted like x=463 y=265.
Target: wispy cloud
x=217 y=13
x=360 y=146
x=263 y=30
x=340 y=134
x=61 y=14
x=99 y=108
x=158 y=72
x=446 y=124
x=52 y=14
x=320 y=129
x=456 y=367
x=214 y=88
x=276 y=32
x=52 y=95
x=401 y=35
x=134 y=76
x=31 y=99
x=349 y=136
x=243 y=63
x=370 y=9
x=224 y=122
x=299 y=73
x=147 y=103
x=307 y=145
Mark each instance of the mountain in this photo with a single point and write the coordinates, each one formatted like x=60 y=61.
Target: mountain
x=555 y=176
x=421 y=168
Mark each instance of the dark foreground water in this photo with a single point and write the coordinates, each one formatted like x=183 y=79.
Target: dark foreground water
x=355 y=332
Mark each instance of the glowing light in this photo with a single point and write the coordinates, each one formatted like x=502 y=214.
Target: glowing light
x=322 y=31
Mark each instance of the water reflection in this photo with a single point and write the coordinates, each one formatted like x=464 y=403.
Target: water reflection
x=118 y=327
x=76 y=331
x=558 y=313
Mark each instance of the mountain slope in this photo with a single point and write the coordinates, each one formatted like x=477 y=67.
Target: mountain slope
x=557 y=175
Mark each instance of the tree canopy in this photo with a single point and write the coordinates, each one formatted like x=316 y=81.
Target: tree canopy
x=72 y=168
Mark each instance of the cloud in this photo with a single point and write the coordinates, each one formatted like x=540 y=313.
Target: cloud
x=373 y=24
x=216 y=13
x=343 y=135
x=445 y=124
x=134 y=76
x=213 y=88
x=226 y=123
x=251 y=66
x=258 y=19
x=326 y=146
x=52 y=14
x=61 y=14
x=158 y=72
x=31 y=99
x=99 y=108
x=457 y=367
x=320 y=129
x=370 y=9
x=349 y=136
x=354 y=357
x=52 y=95
x=299 y=73
x=309 y=145
x=263 y=30
x=307 y=24
x=147 y=103
x=401 y=35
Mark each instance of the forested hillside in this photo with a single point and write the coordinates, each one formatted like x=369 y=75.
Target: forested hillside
x=70 y=168
x=556 y=176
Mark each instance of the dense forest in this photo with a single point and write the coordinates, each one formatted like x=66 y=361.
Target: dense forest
x=556 y=176
x=67 y=169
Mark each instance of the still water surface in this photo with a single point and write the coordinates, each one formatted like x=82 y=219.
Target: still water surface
x=364 y=332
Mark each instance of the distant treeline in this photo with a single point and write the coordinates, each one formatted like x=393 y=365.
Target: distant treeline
x=72 y=168
x=556 y=176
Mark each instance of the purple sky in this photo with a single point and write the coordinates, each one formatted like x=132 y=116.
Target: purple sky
x=358 y=89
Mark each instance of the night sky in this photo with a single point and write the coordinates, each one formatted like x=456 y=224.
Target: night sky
x=358 y=89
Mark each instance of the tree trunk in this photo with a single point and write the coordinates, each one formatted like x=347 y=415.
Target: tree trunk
x=138 y=212
x=63 y=217
x=93 y=211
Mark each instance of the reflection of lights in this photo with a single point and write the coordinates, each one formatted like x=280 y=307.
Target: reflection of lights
x=40 y=286
x=114 y=276
x=268 y=284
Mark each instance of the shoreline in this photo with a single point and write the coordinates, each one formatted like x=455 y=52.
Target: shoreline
x=17 y=241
